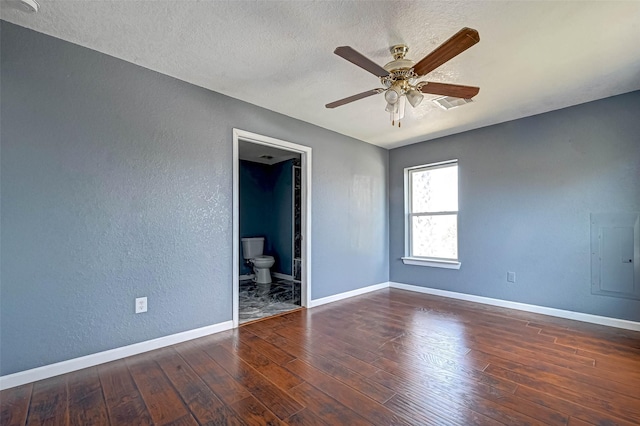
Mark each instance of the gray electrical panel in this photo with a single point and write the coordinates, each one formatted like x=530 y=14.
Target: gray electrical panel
x=615 y=254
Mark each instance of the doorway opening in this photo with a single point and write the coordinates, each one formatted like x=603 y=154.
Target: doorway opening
x=271 y=226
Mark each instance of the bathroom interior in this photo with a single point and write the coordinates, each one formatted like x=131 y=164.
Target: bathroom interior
x=270 y=231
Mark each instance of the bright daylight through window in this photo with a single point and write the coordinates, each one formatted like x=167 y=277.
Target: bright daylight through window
x=432 y=214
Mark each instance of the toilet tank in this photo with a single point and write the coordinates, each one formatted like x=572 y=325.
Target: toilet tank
x=252 y=247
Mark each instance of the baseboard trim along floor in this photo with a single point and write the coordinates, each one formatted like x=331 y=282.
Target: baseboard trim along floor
x=561 y=313
x=63 y=367
x=347 y=294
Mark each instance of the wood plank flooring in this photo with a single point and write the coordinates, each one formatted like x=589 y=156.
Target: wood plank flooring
x=389 y=357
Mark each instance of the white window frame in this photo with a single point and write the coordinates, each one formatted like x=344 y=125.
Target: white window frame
x=408 y=259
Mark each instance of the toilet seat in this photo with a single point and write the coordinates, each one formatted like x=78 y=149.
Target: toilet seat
x=263 y=261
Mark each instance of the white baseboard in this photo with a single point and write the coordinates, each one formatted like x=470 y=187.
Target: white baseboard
x=578 y=316
x=246 y=277
x=347 y=294
x=282 y=276
x=51 y=370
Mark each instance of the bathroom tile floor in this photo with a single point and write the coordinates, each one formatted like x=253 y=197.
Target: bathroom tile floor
x=264 y=300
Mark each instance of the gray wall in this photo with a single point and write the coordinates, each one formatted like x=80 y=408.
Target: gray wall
x=527 y=188
x=116 y=182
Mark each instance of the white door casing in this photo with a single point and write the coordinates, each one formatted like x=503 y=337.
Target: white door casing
x=305 y=163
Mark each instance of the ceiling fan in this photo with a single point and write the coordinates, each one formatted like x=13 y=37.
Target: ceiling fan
x=399 y=77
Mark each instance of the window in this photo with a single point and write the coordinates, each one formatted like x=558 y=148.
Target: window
x=432 y=215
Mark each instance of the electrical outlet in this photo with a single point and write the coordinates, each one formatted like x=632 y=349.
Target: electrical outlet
x=511 y=277
x=141 y=305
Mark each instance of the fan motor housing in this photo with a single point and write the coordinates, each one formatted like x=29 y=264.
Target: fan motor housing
x=399 y=62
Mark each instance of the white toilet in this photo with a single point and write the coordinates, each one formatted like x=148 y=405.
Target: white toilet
x=252 y=252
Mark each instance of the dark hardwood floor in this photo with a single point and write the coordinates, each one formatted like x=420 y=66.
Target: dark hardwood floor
x=388 y=357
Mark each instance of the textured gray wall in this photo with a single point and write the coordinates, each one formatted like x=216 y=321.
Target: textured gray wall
x=527 y=188
x=116 y=182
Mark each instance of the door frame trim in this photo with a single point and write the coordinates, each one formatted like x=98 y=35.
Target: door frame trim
x=305 y=164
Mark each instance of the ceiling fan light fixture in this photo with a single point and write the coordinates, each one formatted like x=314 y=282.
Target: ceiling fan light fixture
x=391 y=107
x=396 y=112
x=414 y=97
x=392 y=95
x=401 y=105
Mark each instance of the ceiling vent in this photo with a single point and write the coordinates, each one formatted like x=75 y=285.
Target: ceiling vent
x=266 y=157
x=448 y=102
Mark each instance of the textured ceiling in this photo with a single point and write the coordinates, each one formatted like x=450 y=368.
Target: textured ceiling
x=533 y=56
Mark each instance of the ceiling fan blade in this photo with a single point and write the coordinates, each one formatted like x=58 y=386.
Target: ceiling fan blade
x=360 y=60
x=455 y=90
x=461 y=41
x=354 y=98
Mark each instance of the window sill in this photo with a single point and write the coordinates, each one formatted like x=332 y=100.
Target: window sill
x=433 y=263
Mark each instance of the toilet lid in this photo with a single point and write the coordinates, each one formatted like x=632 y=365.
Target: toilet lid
x=264 y=257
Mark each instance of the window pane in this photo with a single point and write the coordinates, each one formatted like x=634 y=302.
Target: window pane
x=435 y=190
x=435 y=236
